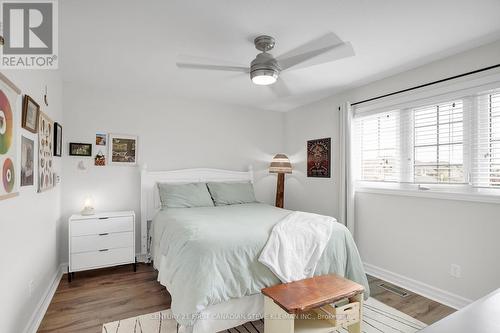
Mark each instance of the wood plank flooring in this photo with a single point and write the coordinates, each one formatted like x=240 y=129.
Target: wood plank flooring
x=100 y=296
x=105 y=295
x=414 y=305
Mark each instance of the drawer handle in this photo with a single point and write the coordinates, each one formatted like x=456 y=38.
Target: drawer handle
x=104 y=234
x=103 y=250
x=103 y=218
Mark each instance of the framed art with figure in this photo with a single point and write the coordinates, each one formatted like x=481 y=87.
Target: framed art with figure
x=318 y=158
x=123 y=149
x=30 y=115
x=27 y=161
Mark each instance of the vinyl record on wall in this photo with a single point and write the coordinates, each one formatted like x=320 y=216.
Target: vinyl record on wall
x=6 y=124
x=8 y=176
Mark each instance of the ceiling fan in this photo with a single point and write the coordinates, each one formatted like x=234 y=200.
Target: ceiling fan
x=265 y=69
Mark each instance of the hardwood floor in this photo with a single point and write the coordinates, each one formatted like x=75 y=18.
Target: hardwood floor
x=414 y=305
x=100 y=296
x=105 y=295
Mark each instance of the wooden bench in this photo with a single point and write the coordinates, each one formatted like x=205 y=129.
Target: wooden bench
x=307 y=306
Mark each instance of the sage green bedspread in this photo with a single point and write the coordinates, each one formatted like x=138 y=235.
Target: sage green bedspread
x=207 y=255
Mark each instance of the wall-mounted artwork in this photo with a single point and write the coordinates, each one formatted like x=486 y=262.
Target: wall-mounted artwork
x=45 y=153
x=100 y=159
x=31 y=111
x=318 y=158
x=58 y=140
x=80 y=149
x=8 y=147
x=27 y=161
x=100 y=139
x=123 y=150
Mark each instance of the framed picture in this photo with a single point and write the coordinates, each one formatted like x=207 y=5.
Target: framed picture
x=30 y=115
x=100 y=139
x=80 y=149
x=57 y=139
x=9 y=117
x=318 y=158
x=27 y=161
x=123 y=150
x=45 y=153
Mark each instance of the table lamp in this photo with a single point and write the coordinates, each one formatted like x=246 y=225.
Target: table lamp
x=280 y=165
x=88 y=206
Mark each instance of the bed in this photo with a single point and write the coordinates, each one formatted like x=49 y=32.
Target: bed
x=207 y=256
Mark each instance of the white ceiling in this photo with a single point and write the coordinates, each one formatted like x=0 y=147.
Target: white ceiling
x=130 y=45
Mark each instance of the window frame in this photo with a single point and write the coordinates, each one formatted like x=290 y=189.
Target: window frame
x=467 y=191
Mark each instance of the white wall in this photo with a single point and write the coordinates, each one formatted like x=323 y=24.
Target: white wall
x=29 y=223
x=315 y=121
x=421 y=237
x=172 y=133
x=414 y=237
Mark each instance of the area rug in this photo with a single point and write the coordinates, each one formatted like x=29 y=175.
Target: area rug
x=377 y=318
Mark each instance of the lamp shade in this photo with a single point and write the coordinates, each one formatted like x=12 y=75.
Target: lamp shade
x=280 y=164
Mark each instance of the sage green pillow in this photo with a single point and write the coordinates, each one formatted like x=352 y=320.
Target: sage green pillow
x=184 y=195
x=231 y=193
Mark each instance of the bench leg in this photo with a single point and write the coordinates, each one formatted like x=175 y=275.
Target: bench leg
x=356 y=328
x=276 y=320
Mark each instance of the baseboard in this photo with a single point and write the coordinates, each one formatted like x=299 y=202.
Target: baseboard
x=43 y=304
x=436 y=294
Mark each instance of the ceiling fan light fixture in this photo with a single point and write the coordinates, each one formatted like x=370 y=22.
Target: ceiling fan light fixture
x=264 y=77
x=264 y=69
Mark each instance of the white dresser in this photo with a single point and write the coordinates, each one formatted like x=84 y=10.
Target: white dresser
x=101 y=240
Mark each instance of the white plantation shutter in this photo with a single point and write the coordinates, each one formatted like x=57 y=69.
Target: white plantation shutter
x=377 y=139
x=486 y=146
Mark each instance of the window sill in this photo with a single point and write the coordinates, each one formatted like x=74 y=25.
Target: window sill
x=476 y=195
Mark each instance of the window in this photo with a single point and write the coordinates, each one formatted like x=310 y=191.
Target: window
x=451 y=142
x=494 y=113
x=380 y=147
x=487 y=146
x=438 y=143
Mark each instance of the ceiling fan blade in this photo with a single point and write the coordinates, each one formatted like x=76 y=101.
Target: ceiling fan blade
x=317 y=57
x=196 y=62
x=325 y=49
x=280 y=89
x=213 y=67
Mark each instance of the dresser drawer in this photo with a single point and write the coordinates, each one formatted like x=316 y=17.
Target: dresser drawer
x=102 y=241
x=102 y=225
x=88 y=260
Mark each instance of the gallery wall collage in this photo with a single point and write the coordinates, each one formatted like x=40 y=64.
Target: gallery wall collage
x=110 y=149
x=36 y=162
x=20 y=170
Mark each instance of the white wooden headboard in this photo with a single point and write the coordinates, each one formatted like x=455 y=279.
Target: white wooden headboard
x=150 y=200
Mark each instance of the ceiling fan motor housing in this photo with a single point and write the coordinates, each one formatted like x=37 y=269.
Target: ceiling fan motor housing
x=264 y=65
x=264 y=43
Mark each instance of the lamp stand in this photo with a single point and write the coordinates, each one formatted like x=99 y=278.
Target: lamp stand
x=280 y=190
